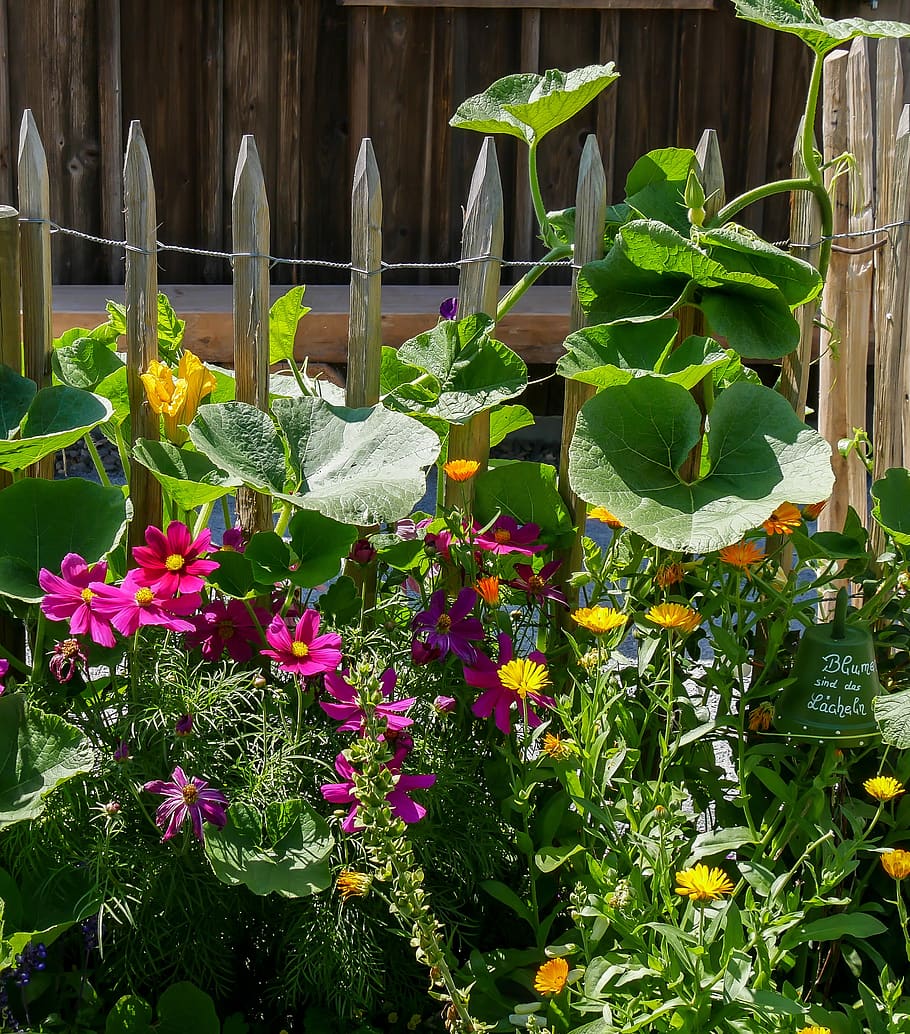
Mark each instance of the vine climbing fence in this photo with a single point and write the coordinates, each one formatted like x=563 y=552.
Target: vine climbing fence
x=865 y=317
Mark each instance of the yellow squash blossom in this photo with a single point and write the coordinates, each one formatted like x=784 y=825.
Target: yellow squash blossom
x=177 y=400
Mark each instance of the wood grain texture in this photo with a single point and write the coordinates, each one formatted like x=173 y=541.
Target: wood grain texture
x=211 y=195
x=10 y=333
x=563 y=5
x=141 y=292
x=478 y=287
x=110 y=130
x=606 y=125
x=250 y=218
x=6 y=164
x=365 y=334
x=524 y=226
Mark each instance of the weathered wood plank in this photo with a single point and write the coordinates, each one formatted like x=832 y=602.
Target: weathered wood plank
x=607 y=102
x=759 y=117
x=211 y=191
x=524 y=226
x=250 y=218
x=565 y=5
x=6 y=165
x=141 y=320
x=478 y=287
x=10 y=327
x=110 y=130
x=287 y=198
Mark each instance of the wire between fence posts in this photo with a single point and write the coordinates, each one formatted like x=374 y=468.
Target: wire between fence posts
x=251 y=228
x=478 y=289
x=141 y=322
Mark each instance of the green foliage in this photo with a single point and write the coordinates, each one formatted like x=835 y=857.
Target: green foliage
x=284 y=316
x=802 y=18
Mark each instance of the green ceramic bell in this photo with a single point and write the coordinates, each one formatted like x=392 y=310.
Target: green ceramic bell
x=835 y=681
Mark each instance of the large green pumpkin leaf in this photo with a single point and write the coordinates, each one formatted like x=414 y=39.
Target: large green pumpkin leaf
x=892 y=713
x=802 y=18
x=189 y=478
x=42 y=521
x=320 y=545
x=241 y=440
x=632 y=440
x=184 y=1007
x=614 y=288
x=528 y=105
x=523 y=490
x=37 y=752
x=656 y=184
x=56 y=418
x=289 y=857
x=357 y=466
x=85 y=362
x=891 y=504
x=16 y=395
x=506 y=419
x=623 y=346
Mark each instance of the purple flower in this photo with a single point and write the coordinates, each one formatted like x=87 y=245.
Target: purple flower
x=226 y=626
x=538 y=585
x=66 y=659
x=187 y=798
x=4 y=668
x=232 y=541
x=184 y=726
x=304 y=653
x=422 y=653
x=72 y=596
x=348 y=712
x=133 y=604
x=362 y=552
x=450 y=629
x=510 y=681
x=506 y=535
x=401 y=804
x=444 y=705
x=122 y=753
x=449 y=308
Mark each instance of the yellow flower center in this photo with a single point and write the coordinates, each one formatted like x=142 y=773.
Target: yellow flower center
x=87 y=595
x=299 y=649
x=444 y=623
x=144 y=597
x=535 y=582
x=190 y=793
x=225 y=629
x=174 y=562
x=523 y=676
x=502 y=536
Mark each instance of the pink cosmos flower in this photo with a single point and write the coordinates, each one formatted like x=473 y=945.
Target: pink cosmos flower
x=348 y=712
x=226 y=626
x=68 y=658
x=4 y=668
x=187 y=798
x=304 y=653
x=171 y=563
x=72 y=596
x=506 y=535
x=401 y=804
x=450 y=629
x=537 y=586
x=134 y=603
x=510 y=681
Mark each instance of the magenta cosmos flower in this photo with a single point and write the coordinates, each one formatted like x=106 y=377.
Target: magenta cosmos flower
x=348 y=712
x=510 y=681
x=227 y=626
x=134 y=604
x=4 y=668
x=401 y=804
x=538 y=586
x=187 y=798
x=451 y=629
x=304 y=653
x=72 y=596
x=506 y=535
x=172 y=562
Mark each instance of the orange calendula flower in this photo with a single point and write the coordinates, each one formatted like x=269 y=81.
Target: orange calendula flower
x=896 y=863
x=599 y=619
x=742 y=554
x=601 y=513
x=760 y=717
x=488 y=589
x=674 y=616
x=351 y=884
x=177 y=400
x=551 y=978
x=811 y=512
x=703 y=884
x=556 y=747
x=460 y=470
x=669 y=574
x=883 y=788
x=785 y=519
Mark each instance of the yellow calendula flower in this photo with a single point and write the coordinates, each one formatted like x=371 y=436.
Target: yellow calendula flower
x=554 y=746
x=177 y=400
x=351 y=884
x=896 y=863
x=814 y=1030
x=703 y=884
x=674 y=616
x=460 y=470
x=669 y=574
x=742 y=554
x=601 y=513
x=551 y=978
x=785 y=519
x=599 y=619
x=883 y=788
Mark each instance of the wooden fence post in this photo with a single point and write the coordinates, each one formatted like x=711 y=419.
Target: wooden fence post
x=478 y=290
x=251 y=232
x=10 y=332
x=590 y=215
x=141 y=224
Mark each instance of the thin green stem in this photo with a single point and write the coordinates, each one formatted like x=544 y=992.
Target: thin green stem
x=283 y=519
x=509 y=299
x=750 y=197
x=38 y=646
x=96 y=459
x=540 y=209
x=202 y=520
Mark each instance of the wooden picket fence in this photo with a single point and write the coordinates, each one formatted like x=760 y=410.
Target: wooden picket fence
x=866 y=289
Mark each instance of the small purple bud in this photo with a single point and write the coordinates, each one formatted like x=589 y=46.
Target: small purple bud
x=362 y=552
x=449 y=309
x=232 y=540
x=184 y=726
x=122 y=753
x=444 y=705
x=112 y=808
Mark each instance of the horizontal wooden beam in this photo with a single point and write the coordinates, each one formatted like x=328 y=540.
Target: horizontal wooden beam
x=565 y=5
x=535 y=328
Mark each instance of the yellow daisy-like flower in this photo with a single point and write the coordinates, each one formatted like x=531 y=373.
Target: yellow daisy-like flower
x=675 y=616
x=669 y=574
x=742 y=554
x=488 y=589
x=551 y=978
x=601 y=513
x=760 y=717
x=785 y=519
x=351 y=884
x=555 y=747
x=814 y=1030
x=883 y=788
x=811 y=512
x=177 y=401
x=599 y=619
x=460 y=470
x=524 y=676
x=896 y=863
x=703 y=884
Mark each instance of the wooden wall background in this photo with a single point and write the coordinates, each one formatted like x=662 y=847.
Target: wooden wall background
x=310 y=77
